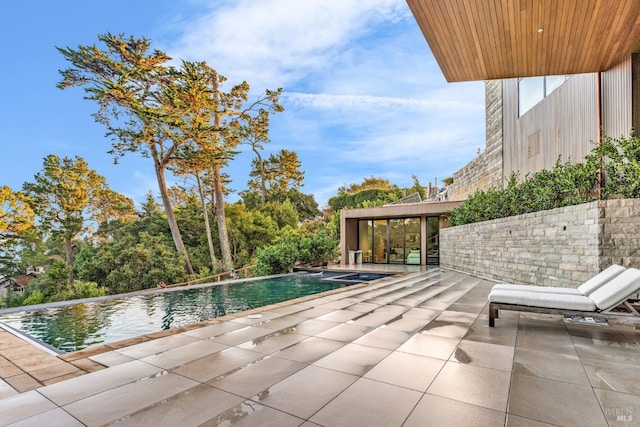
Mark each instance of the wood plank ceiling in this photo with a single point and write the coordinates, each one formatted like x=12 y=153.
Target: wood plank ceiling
x=495 y=39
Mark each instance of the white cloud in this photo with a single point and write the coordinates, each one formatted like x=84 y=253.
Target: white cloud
x=278 y=42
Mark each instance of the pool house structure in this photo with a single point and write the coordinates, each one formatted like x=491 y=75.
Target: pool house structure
x=393 y=234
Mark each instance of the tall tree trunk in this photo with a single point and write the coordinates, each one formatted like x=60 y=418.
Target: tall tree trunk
x=69 y=252
x=206 y=222
x=171 y=218
x=225 y=248
x=263 y=185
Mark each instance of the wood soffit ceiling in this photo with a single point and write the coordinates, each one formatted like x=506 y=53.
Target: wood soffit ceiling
x=496 y=39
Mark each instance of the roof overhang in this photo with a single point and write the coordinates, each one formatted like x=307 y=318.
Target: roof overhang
x=496 y=39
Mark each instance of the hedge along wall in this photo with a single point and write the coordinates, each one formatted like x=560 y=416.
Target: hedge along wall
x=558 y=247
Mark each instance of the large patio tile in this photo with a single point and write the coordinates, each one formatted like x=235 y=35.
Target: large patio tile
x=208 y=332
x=84 y=386
x=6 y=390
x=619 y=409
x=444 y=329
x=159 y=345
x=218 y=364
x=345 y=332
x=240 y=336
x=430 y=345
x=191 y=407
x=384 y=337
x=252 y=414
x=554 y=402
x=611 y=351
x=340 y=316
x=548 y=341
x=483 y=354
x=313 y=327
x=449 y=316
x=21 y=406
x=127 y=399
x=273 y=342
x=436 y=411
x=406 y=370
x=407 y=324
x=368 y=403
x=111 y=358
x=596 y=332
x=353 y=359
x=53 y=418
x=283 y=322
x=23 y=382
x=58 y=370
x=516 y=421
x=257 y=377
x=553 y=366
x=310 y=350
x=613 y=376
x=504 y=333
x=293 y=395
x=478 y=386
x=184 y=354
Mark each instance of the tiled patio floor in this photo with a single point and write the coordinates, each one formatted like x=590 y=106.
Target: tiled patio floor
x=409 y=350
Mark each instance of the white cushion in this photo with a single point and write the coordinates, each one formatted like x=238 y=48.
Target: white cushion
x=532 y=288
x=585 y=289
x=588 y=287
x=540 y=299
x=617 y=290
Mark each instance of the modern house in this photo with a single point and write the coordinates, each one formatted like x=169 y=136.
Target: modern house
x=556 y=74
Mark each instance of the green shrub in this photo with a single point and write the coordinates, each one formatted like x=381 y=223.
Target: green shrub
x=621 y=165
x=277 y=259
x=318 y=248
x=567 y=184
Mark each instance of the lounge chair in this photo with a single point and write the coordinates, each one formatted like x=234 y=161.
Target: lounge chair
x=601 y=303
x=585 y=289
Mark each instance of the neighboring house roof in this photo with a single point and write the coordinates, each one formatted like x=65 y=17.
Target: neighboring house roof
x=412 y=198
x=497 y=39
x=22 y=280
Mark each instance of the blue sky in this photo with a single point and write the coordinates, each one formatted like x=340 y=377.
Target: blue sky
x=363 y=94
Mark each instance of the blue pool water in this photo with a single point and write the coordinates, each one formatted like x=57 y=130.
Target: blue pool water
x=78 y=326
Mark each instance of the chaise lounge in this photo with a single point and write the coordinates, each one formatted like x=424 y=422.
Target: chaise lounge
x=609 y=301
x=585 y=289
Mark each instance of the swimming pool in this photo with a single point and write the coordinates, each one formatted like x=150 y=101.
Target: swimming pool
x=74 y=327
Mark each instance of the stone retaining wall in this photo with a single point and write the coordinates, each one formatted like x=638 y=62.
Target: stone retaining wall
x=559 y=247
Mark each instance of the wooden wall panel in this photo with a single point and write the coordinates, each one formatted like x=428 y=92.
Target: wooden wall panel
x=567 y=122
x=616 y=100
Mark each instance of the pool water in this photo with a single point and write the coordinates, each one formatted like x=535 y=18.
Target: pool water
x=78 y=326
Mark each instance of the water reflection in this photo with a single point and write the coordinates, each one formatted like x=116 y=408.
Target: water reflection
x=75 y=327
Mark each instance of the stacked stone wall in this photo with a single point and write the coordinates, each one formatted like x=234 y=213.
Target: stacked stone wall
x=559 y=247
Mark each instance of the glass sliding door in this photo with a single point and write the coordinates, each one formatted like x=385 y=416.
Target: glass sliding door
x=390 y=241
x=380 y=241
x=365 y=239
x=396 y=241
x=412 y=240
x=433 y=241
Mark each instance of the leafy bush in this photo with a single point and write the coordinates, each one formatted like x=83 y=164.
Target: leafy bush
x=277 y=259
x=621 y=165
x=567 y=184
x=318 y=248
